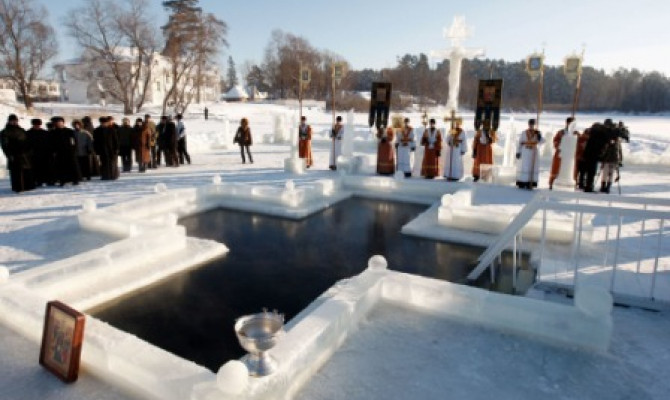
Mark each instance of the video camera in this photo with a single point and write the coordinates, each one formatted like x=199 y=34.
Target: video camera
x=617 y=131
x=622 y=132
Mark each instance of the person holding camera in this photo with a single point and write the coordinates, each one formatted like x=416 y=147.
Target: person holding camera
x=612 y=160
x=244 y=140
x=385 y=153
x=432 y=141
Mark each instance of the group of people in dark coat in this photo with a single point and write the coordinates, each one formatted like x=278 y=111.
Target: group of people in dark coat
x=171 y=142
x=60 y=155
x=601 y=143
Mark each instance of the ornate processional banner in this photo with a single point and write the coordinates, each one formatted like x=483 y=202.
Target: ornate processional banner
x=489 y=101
x=380 y=104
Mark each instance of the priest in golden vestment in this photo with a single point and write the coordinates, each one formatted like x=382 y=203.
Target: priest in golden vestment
x=305 y=142
x=385 y=151
x=482 y=148
x=432 y=141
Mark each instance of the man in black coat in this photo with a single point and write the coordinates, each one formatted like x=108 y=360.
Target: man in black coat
x=126 y=144
x=162 y=144
x=15 y=145
x=65 y=148
x=106 y=145
x=42 y=144
x=600 y=135
x=172 y=140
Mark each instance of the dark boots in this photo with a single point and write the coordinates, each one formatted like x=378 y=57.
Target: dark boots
x=605 y=187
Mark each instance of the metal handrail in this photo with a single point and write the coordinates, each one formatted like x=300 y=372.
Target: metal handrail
x=557 y=202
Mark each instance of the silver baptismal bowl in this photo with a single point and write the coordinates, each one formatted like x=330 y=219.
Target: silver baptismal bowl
x=258 y=333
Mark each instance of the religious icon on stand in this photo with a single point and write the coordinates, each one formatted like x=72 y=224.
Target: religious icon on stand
x=305 y=75
x=489 y=101
x=380 y=104
x=572 y=67
x=535 y=65
x=61 y=341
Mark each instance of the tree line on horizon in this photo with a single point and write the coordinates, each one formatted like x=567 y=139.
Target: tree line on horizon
x=415 y=82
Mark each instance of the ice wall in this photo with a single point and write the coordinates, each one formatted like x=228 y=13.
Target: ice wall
x=336 y=315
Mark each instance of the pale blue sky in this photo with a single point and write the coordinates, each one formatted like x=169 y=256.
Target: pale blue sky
x=371 y=34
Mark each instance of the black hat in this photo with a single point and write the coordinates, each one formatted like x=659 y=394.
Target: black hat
x=36 y=121
x=432 y=120
x=12 y=117
x=57 y=119
x=531 y=121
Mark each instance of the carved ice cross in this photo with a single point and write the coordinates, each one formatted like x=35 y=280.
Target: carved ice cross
x=457 y=33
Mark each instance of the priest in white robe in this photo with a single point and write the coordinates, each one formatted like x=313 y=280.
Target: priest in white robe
x=457 y=146
x=527 y=151
x=405 y=145
x=336 y=135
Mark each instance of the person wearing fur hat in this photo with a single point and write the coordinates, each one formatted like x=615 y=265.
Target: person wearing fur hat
x=125 y=132
x=65 y=147
x=42 y=144
x=15 y=145
x=142 y=144
x=106 y=144
x=84 y=149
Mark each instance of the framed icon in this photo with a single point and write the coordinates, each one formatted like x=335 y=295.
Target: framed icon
x=535 y=65
x=62 y=339
x=305 y=75
x=572 y=67
x=338 y=72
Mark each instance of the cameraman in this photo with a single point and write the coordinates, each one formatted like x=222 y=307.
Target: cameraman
x=599 y=137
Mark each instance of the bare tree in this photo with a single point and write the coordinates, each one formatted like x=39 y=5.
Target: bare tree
x=119 y=42
x=26 y=44
x=284 y=55
x=141 y=34
x=193 y=40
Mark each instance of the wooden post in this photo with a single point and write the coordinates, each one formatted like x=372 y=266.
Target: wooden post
x=300 y=95
x=578 y=86
x=332 y=106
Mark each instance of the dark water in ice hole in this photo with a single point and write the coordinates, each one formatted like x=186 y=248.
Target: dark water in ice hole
x=275 y=263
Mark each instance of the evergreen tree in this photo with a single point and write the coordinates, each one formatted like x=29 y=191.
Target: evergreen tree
x=193 y=40
x=232 y=73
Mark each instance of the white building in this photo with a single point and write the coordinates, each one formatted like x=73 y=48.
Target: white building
x=86 y=81
x=42 y=90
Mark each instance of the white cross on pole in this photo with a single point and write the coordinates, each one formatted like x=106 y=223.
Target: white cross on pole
x=456 y=33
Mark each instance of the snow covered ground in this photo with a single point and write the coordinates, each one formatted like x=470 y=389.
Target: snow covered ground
x=40 y=226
